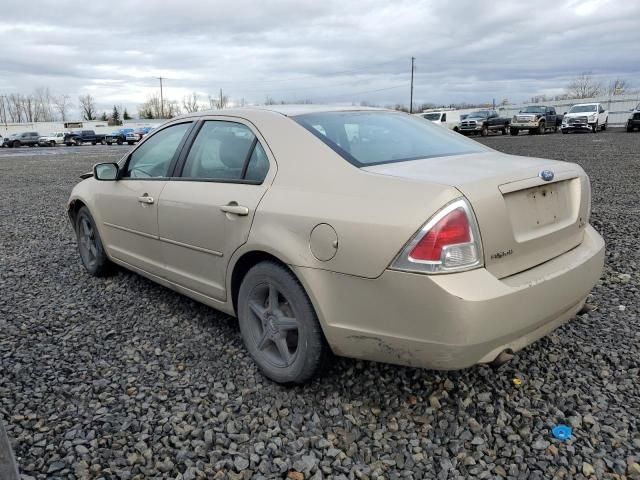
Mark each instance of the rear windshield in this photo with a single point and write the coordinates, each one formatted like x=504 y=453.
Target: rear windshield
x=373 y=138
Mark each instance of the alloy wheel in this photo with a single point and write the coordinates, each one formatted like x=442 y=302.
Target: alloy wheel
x=87 y=242
x=273 y=325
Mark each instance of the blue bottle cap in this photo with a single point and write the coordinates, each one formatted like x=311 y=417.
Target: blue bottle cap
x=561 y=432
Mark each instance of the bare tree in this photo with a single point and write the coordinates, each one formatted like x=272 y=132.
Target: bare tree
x=153 y=108
x=62 y=104
x=619 y=86
x=217 y=103
x=44 y=108
x=190 y=103
x=87 y=106
x=584 y=86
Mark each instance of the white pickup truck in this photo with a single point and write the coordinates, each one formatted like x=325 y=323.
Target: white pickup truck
x=51 y=140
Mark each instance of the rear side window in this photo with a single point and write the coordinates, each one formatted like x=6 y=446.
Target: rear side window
x=366 y=138
x=226 y=151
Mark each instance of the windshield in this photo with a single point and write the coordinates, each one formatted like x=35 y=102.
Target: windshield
x=479 y=113
x=583 y=108
x=434 y=117
x=371 y=138
x=533 y=109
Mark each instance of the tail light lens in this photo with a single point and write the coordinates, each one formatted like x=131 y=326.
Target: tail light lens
x=448 y=242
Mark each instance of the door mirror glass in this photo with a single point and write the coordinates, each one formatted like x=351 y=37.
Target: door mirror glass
x=106 y=171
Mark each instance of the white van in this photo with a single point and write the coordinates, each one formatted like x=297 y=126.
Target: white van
x=446 y=118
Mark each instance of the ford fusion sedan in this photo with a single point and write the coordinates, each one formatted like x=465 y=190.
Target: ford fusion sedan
x=589 y=117
x=369 y=233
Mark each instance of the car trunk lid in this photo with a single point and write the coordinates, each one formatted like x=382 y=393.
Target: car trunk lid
x=524 y=220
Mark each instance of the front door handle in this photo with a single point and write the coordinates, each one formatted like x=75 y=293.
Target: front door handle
x=236 y=209
x=146 y=199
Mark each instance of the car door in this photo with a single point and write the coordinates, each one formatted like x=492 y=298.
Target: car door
x=602 y=115
x=128 y=207
x=551 y=117
x=206 y=211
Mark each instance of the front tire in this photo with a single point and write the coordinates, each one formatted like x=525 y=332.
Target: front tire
x=90 y=246
x=594 y=129
x=16 y=144
x=541 y=128
x=485 y=131
x=629 y=128
x=52 y=143
x=279 y=325
x=130 y=143
x=606 y=124
x=514 y=131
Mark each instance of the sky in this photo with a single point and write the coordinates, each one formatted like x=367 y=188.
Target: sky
x=333 y=51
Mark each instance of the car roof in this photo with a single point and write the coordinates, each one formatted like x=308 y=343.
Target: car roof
x=286 y=110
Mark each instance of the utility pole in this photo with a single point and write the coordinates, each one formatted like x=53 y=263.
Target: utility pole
x=4 y=100
x=161 y=99
x=411 y=98
x=220 y=104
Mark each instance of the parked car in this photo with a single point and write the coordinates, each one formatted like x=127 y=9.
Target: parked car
x=51 y=140
x=19 y=139
x=79 y=137
x=483 y=122
x=634 y=119
x=536 y=119
x=136 y=135
x=480 y=260
x=119 y=136
x=446 y=118
x=589 y=117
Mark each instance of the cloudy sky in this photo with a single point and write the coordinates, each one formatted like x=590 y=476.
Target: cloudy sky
x=331 y=51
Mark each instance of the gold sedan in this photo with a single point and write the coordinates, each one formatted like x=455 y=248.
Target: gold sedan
x=370 y=233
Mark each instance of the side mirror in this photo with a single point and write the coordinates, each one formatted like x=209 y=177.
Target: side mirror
x=564 y=113
x=105 y=171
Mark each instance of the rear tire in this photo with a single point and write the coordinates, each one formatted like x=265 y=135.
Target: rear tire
x=93 y=143
x=78 y=142
x=505 y=130
x=90 y=247
x=119 y=142
x=276 y=315
x=130 y=143
x=629 y=128
x=16 y=144
x=103 y=142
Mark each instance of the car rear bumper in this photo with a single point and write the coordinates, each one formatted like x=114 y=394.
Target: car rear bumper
x=451 y=321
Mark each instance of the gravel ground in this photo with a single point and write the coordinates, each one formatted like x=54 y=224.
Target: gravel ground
x=121 y=378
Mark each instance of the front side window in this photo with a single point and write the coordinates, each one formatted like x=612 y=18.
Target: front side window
x=366 y=138
x=434 y=117
x=153 y=158
x=226 y=151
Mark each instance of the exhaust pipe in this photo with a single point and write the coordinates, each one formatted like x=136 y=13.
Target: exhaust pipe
x=502 y=358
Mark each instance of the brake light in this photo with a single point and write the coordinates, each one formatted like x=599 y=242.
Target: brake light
x=448 y=242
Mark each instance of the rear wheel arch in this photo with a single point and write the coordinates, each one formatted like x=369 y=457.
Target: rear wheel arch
x=245 y=263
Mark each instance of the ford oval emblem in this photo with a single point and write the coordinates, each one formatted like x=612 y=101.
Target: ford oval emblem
x=546 y=175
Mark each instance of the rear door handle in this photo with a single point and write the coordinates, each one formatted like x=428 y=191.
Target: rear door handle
x=146 y=199
x=236 y=209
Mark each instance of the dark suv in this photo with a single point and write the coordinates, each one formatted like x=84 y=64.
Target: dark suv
x=634 y=119
x=18 y=139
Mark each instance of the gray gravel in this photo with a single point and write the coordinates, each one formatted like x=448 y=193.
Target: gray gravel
x=121 y=378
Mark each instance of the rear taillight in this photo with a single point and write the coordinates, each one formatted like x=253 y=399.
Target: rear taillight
x=448 y=242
